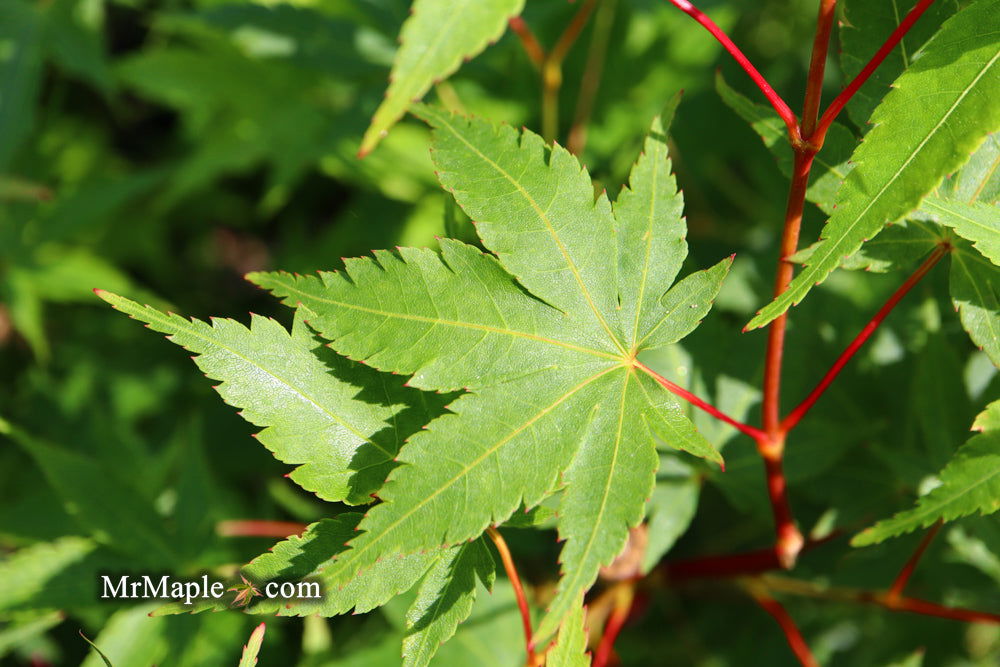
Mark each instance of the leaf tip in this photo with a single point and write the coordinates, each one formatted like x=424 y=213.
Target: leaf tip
x=103 y=294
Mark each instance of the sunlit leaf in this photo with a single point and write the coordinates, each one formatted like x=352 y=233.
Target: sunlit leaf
x=916 y=141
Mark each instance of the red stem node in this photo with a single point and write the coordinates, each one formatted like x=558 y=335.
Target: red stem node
x=789 y=422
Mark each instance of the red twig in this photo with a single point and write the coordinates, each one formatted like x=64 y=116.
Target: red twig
x=729 y=565
x=779 y=104
x=925 y=608
x=572 y=31
x=624 y=594
x=795 y=639
x=697 y=402
x=515 y=582
x=258 y=528
x=733 y=565
x=532 y=47
x=845 y=95
x=783 y=277
x=772 y=446
x=789 y=540
x=895 y=592
x=879 y=599
x=795 y=415
x=817 y=65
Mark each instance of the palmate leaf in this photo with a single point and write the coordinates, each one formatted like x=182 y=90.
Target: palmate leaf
x=918 y=138
x=433 y=42
x=317 y=415
x=543 y=337
x=970 y=483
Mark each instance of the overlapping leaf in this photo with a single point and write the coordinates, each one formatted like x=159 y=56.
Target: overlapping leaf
x=864 y=28
x=445 y=599
x=974 y=280
x=433 y=42
x=543 y=336
x=570 y=647
x=978 y=222
x=970 y=483
x=317 y=415
x=448 y=584
x=918 y=138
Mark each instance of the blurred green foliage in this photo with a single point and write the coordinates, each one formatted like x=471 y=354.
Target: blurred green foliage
x=163 y=149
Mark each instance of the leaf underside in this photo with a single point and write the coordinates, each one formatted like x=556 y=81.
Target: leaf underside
x=315 y=414
x=542 y=336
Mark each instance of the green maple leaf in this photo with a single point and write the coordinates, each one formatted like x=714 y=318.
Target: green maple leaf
x=970 y=483
x=962 y=213
x=917 y=139
x=543 y=336
x=865 y=25
x=570 y=646
x=433 y=41
x=315 y=414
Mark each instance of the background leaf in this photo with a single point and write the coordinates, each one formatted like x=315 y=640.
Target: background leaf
x=433 y=42
x=252 y=648
x=969 y=483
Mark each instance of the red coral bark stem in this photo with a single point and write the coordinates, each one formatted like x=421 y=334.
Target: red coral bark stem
x=845 y=96
x=699 y=403
x=895 y=592
x=817 y=66
x=795 y=415
x=796 y=641
x=624 y=594
x=532 y=47
x=515 y=582
x=782 y=108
